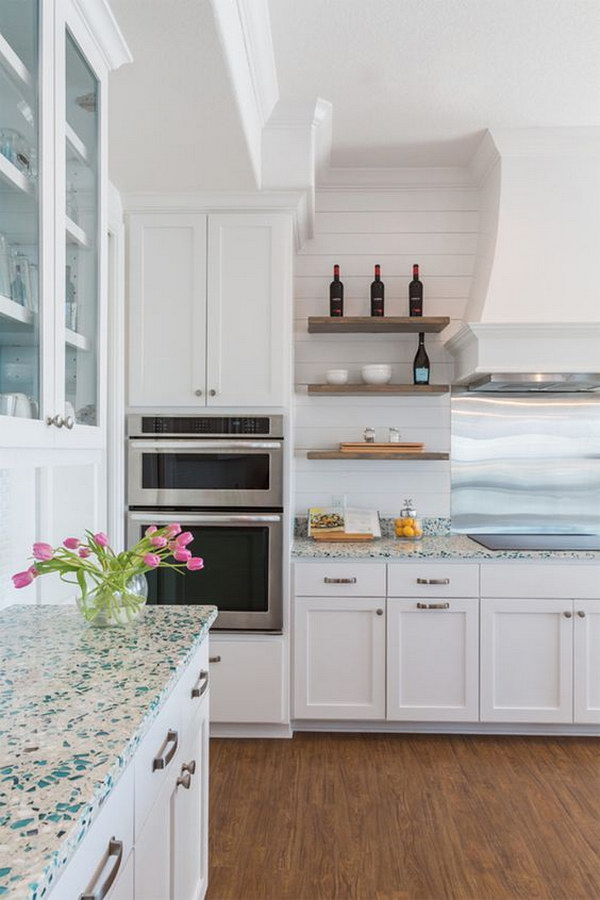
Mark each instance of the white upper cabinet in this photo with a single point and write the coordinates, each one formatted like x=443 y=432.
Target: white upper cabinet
x=209 y=299
x=53 y=189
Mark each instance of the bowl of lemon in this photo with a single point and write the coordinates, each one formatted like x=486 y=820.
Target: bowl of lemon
x=408 y=526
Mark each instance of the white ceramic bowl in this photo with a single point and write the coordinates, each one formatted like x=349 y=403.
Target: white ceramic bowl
x=376 y=374
x=336 y=376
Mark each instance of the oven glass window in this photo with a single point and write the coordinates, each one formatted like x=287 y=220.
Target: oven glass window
x=235 y=575
x=195 y=471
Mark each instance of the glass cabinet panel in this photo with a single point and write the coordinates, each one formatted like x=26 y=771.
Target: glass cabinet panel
x=81 y=307
x=20 y=349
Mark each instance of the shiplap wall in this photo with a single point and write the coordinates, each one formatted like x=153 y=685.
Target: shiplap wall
x=437 y=228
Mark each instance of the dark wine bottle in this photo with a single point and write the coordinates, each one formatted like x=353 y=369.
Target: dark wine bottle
x=421 y=367
x=415 y=294
x=336 y=294
x=377 y=293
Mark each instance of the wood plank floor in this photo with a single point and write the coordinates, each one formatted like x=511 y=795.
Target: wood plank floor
x=401 y=817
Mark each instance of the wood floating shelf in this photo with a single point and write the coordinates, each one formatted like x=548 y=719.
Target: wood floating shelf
x=385 y=389
x=376 y=324
x=337 y=454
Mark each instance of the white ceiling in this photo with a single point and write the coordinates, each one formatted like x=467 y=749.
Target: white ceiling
x=414 y=82
x=174 y=124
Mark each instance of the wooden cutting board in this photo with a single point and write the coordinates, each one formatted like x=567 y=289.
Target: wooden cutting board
x=340 y=536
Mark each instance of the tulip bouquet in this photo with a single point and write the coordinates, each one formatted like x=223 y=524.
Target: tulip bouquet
x=112 y=585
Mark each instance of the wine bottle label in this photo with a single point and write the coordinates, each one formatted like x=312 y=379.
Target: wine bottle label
x=421 y=376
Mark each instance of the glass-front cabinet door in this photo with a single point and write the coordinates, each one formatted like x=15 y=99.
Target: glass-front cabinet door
x=21 y=329
x=80 y=328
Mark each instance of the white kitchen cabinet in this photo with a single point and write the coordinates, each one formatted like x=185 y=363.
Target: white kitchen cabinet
x=433 y=660
x=154 y=851
x=586 y=635
x=248 y=679
x=190 y=813
x=339 y=658
x=208 y=309
x=527 y=660
x=53 y=222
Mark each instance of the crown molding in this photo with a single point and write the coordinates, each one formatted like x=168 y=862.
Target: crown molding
x=256 y=29
x=105 y=32
x=484 y=159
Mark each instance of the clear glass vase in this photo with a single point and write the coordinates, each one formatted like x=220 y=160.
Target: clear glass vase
x=104 y=607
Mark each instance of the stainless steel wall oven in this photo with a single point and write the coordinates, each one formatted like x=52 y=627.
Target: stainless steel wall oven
x=220 y=477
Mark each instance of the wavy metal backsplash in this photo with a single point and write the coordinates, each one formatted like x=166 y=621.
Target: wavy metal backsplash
x=525 y=463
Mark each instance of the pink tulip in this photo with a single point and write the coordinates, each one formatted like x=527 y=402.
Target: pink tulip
x=101 y=539
x=72 y=543
x=43 y=551
x=173 y=529
x=181 y=554
x=84 y=552
x=33 y=571
x=150 y=530
x=22 y=579
x=152 y=560
x=172 y=545
x=184 y=539
x=158 y=541
x=194 y=563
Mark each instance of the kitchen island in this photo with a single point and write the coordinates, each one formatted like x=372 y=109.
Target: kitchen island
x=75 y=707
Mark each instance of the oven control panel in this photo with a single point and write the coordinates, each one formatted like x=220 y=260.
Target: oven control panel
x=205 y=426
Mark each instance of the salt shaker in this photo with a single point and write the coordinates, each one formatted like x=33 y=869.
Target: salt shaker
x=394 y=435
x=369 y=435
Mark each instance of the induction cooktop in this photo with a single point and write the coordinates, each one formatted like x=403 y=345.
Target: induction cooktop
x=538 y=541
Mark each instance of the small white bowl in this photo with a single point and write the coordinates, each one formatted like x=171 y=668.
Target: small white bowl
x=336 y=376
x=376 y=374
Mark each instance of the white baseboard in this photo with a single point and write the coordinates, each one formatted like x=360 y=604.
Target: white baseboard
x=249 y=730
x=474 y=728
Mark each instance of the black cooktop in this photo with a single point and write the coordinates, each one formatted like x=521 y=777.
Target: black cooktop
x=538 y=541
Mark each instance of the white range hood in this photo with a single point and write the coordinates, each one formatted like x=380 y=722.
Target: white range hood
x=534 y=308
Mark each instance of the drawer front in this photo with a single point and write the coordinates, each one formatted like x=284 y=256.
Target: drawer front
x=548 y=581
x=157 y=756
x=192 y=690
x=247 y=682
x=340 y=579
x=102 y=857
x=433 y=580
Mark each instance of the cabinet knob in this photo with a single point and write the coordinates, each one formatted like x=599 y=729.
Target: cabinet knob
x=198 y=393
x=55 y=420
x=567 y=614
x=581 y=613
x=184 y=781
x=212 y=392
x=69 y=422
x=379 y=612
x=189 y=767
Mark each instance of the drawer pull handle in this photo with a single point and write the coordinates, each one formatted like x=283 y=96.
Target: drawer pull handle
x=581 y=613
x=115 y=848
x=433 y=606
x=433 y=581
x=163 y=759
x=214 y=659
x=201 y=685
x=340 y=580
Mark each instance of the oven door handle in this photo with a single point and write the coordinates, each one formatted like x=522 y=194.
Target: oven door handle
x=195 y=519
x=202 y=446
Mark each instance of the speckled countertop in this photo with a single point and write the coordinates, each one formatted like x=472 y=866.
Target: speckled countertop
x=74 y=704
x=440 y=546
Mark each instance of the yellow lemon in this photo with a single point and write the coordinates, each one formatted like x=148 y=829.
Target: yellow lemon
x=408 y=531
x=418 y=531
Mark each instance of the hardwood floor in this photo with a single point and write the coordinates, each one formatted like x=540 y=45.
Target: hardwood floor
x=401 y=817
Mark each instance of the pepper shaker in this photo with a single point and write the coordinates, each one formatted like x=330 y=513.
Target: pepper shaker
x=369 y=435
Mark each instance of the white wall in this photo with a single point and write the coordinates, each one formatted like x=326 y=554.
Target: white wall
x=437 y=228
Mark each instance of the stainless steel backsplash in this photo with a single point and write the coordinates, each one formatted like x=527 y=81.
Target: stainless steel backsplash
x=526 y=463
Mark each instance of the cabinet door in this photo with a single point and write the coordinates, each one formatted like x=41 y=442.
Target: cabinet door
x=26 y=224
x=167 y=310
x=190 y=820
x=339 y=658
x=433 y=660
x=153 y=848
x=526 y=660
x=248 y=679
x=586 y=623
x=249 y=295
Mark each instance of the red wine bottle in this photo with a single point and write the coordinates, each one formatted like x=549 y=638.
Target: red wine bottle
x=377 y=293
x=336 y=294
x=421 y=367
x=415 y=294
